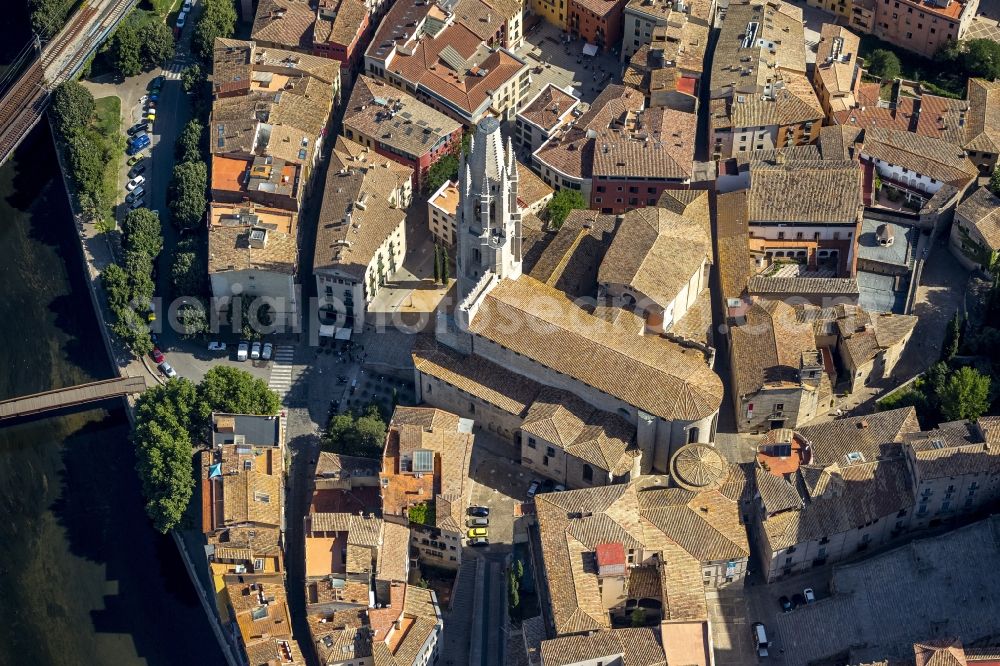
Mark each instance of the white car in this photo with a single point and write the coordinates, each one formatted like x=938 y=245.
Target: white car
x=135 y=182
x=809 y=594
x=142 y=100
x=216 y=346
x=255 y=351
x=241 y=351
x=181 y=18
x=168 y=370
x=533 y=488
x=187 y=5
x=266 y=352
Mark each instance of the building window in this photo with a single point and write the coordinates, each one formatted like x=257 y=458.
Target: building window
x=588 y=473
x=549 y=451
x=692 y=435
x=472 y=407
x=531 y=442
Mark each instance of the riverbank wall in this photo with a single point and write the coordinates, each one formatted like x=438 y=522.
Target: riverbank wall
x=97 y=252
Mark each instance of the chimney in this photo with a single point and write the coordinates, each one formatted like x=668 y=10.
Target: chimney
x=258 y=237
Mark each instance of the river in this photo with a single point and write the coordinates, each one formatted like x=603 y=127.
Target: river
x=84 y=579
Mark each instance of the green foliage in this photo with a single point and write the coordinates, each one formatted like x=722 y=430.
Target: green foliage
x=187 y=274
x=188 y=147
x=965 y=395
x=443 y=170
x=255 y=316
x=72 y=107
x=116 y=286
x=561 y=204
x=422 y=513
x=187 y=193
x=995 y=181
x=192 y=77
x=952 y=338
x=48 y=16
x=131 y=329
x=981 y=58
x=884 y=64
x=445 y=266
x=141 y=41
x=218 y=19
x=437 y=263
x=638 y=617
x=141 y=232
x=363 y=436
x=235 y=391
x=193 y=318
x=518 y=569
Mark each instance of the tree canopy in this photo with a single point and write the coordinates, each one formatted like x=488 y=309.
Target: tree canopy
x=995 y=181
x=188 y=147
x=141 y=232
x=218 y=19
x=561 y=204
x=883 y=64
x=72 y=107
x=363 y=436
x=235 y=391
x=443 y=170
x=965 y=395
x=141 y=42
x=48 y=16
x=187 y=193
x=981 y=58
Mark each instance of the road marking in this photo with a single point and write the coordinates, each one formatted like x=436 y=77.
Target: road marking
x=280 y=380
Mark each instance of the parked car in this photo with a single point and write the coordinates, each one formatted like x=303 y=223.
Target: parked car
x=786 y=604
x=181 y=19
x=136 y=170
x=479 y=542
x=156 y=355
x=216 y=346
x=478 y=532
x=135 y=159
x=809 y=595
x=533 y=488
x=135 y=182
x=241 y=351
x=187 y=5
x=255 y=351
x=480 y=511
x=477 y=522
x=151 y=115
x=760 y=638
x=135 y=129
x=156 y=83
x=135 y=194
x=138 y=203
x=143 y=99
x=137 y=144
x=266 y=352
x=559 y=488
x=168 y=370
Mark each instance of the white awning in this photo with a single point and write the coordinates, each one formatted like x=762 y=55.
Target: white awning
x=327 y=330
x=344 y=333
x=590 y=49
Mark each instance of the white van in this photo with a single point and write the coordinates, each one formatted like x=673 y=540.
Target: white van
x=760 y=635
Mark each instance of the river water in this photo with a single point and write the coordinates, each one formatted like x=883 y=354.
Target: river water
x=84 y=579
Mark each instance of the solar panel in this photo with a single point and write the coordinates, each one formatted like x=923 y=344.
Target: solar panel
x=453 y=59
x=423 y=460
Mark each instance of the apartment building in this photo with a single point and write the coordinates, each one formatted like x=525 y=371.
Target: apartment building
x=837 y=76
x=638 y=646
x=761 y=98
x=398 y=126
x=975 y=232
x=668 y=69
x=257 y=606
x=923 y=26
x=427 y=462
x=642 y=17
x=544 y=116
x=455 y=58
x=597 y=22
x=361 y=240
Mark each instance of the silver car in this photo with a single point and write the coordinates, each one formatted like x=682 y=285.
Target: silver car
x=477 y=522
x=241 y=351
x=267 y=351
x=255 y=351
x=168 y=370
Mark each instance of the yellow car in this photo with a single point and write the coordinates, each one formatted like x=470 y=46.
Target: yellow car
x=477 y=532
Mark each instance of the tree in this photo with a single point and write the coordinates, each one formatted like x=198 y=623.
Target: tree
x=218 y=19
x=235 y=391
x=445 y=266
x=981 y=58
x=363 y=436
x=638 y=617
x=48 y=16
x=157 y=42
x=193 y=318
x=437 y=263
x=995 y=181
x=965 y=395
x=561 y=204
x=139 y=269
x=370 y=435
x=131 y=329
x=187 y=148
x=187 y=193
x=125 y=48
x=142 y=232
x=72 y=107
x=165 y=418
x=192 y=78
x=884 y=64
x=340 y=429
x=187 y=274
x=442 y=171
x=116 y=286
x=86 y=162
x=952 y=338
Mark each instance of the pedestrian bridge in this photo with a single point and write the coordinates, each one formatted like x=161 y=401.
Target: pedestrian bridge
x=71 y=396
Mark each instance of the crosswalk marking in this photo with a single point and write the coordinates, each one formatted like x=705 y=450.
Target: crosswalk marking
x=280 y=380
x=173 y=70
